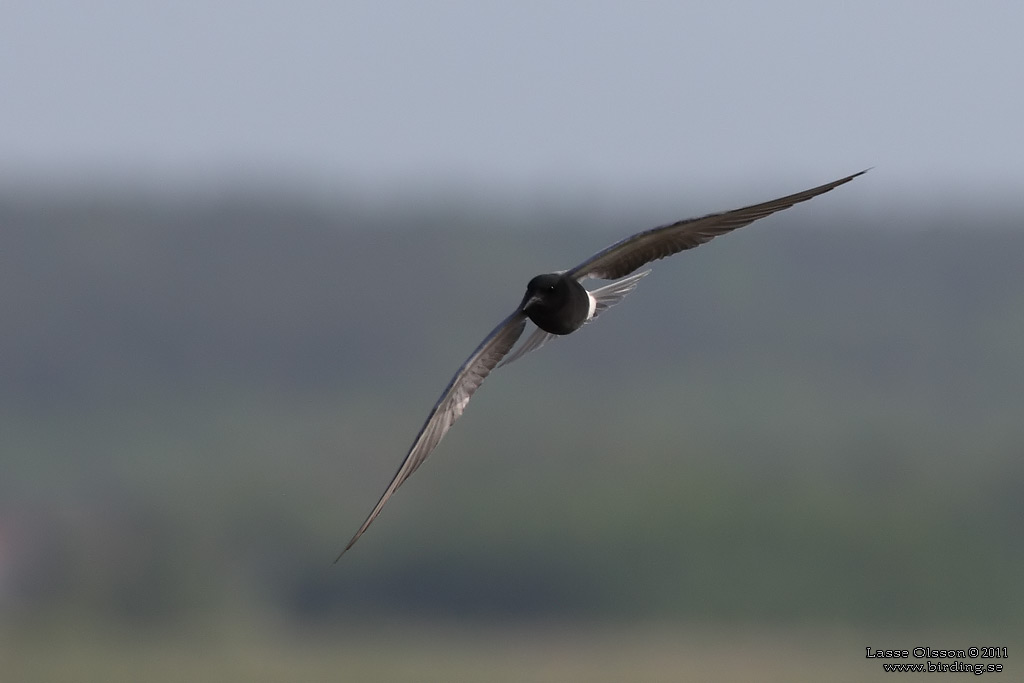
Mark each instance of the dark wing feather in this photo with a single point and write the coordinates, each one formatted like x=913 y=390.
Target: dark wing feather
x=450 y=406
x=625 y=256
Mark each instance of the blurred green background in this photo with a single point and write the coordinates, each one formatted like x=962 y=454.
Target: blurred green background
x=797 y=441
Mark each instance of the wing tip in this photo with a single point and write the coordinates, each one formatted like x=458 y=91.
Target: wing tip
x=343 y=551
x=346 y=548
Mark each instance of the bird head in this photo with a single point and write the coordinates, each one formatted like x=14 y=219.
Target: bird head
x=543 y=292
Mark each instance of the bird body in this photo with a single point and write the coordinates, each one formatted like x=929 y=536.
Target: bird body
x=558 y=304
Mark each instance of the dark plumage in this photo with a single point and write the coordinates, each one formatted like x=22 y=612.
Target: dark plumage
x=558 y=304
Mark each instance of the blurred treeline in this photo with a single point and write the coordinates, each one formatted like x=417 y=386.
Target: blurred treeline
x=818 y=418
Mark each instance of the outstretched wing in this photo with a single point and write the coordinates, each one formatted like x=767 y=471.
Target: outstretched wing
x=450 y=406
x=625 y=256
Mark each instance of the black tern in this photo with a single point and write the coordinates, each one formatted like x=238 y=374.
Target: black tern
x=559 y=305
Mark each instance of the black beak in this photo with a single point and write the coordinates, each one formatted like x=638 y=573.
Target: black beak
x=529 y=300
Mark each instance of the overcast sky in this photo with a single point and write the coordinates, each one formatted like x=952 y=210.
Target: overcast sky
x=618 y=97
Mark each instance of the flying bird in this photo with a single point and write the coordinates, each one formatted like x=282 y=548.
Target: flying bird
x=558 y=305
